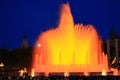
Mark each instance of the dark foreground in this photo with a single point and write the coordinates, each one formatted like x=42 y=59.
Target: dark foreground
x=56 y=77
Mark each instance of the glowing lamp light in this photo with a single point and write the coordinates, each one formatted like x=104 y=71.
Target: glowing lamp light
x=32 y=73
x=21 y=72
x=104 y=72
x=66 y=74
x=1 y=65
x=39 y=45
x=86 y=73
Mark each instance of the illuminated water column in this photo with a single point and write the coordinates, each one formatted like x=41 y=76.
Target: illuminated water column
x=39 y=55
x=69 y=48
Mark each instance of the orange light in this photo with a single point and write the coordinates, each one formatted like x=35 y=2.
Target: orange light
x=69 y=44
x=32 y=73
x=104 y=72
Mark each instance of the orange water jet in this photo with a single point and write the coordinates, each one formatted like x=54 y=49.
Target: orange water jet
x=69 y=48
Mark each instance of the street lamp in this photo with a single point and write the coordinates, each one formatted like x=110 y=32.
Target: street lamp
x=1 y=65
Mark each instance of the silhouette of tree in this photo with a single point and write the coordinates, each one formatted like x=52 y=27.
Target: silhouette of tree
x=112 y=33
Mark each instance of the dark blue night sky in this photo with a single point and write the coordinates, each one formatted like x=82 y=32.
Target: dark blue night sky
x=31 y=17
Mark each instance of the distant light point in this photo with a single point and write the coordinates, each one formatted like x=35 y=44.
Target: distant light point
x=39 y=45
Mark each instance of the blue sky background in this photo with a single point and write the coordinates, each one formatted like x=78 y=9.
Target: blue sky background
x=31 y=17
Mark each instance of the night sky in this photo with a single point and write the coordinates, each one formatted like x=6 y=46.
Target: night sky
x=31 y=17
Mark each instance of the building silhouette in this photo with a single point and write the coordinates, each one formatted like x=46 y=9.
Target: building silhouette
x=25 y=43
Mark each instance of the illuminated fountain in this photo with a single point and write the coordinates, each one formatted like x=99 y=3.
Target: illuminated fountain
x=69 y=48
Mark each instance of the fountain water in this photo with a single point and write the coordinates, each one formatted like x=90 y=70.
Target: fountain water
x=69 y=48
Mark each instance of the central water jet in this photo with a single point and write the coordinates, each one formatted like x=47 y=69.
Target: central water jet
x=69 y=48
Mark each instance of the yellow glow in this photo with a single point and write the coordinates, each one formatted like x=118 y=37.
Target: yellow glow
x=1 y=65
x=68 y=44
x=104 y=72
x=32 y=73
x=66 y=74
x=68 y=40
x=21 y=72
